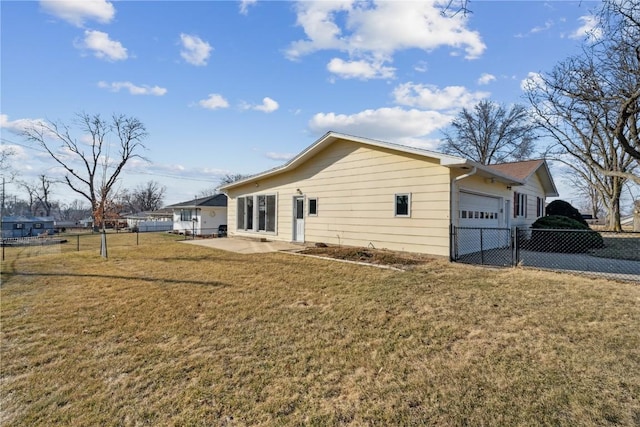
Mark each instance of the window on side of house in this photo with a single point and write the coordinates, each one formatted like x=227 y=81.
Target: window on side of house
x=262 y=218
x=539 y=207
x=402 y=204
x=240 y=213
x=186 y=215
x=266 y=212
x=313 y=206
x=37 y=225
x=18 y=226
x=519 y=205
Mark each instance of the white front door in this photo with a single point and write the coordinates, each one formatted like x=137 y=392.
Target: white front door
x=298 y=219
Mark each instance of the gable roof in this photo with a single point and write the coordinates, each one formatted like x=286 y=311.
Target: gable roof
x=524 y=170
x=218 y=200
x=444 y=160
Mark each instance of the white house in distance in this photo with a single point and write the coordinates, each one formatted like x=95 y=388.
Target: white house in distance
x=202 y=216
x=357 y=191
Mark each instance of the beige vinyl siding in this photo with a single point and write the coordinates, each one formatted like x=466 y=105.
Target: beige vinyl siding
x=355 y=186
x=533 y=189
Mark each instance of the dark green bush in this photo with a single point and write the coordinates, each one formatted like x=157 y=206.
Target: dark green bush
x=577 y=238
x=559 y=222
x=560 y=207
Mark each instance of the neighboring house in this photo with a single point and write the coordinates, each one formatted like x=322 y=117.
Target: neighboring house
x=159 y=220
x=202 y=216
x=26 y=226
x=361 y=192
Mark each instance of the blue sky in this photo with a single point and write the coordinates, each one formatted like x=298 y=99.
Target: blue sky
x=241 y=86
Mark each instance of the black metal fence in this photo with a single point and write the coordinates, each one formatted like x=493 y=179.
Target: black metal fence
x=609 y=254
x=67 y=242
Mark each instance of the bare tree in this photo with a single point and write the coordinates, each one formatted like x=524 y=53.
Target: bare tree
x=617 y=54
x=591 y=199
x=145 y=197
x=232 y=177
x=580 y=128
x=39 y=195
x=227 y=179
x=7 y=171
x=587 y=106
x=491 y=134
x=91 y=168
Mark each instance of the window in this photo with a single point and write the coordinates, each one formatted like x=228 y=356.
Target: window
x=539 y=207
x=18 y=226
x=266 y=213
x=402 y=206
x=37 y=225
x=313 y=207
x=519 y=205
x=263 y=218
x=186 y=215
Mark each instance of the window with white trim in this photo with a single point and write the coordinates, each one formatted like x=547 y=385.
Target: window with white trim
x=186 y=214
x=402 y=204
x=256 y=213
x=519 y=205
x=313 y=206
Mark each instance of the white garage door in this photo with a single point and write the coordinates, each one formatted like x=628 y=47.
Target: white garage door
x=478 y=212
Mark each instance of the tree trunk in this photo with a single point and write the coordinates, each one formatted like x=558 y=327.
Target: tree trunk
x=613 y=217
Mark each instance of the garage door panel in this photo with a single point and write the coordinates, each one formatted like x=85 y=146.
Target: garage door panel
x=478 y=212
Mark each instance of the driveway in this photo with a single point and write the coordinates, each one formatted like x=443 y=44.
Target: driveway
x=245 y=246
x=616 y=268
x=582 y=263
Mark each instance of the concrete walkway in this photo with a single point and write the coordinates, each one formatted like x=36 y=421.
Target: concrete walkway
x=245 y=246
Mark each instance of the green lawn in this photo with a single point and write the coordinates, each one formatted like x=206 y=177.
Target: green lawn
x=165 y=333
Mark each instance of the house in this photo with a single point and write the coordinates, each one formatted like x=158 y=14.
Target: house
x=201 y=216
x=158 y=220
x=26 y=226
x=357 y=191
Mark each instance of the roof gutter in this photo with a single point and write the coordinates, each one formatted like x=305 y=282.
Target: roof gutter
x=453 y=186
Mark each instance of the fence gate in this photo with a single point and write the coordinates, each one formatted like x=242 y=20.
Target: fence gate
x=484 y=246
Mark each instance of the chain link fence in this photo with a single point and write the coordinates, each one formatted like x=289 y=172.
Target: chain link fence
x=66 y=242
x=609 y=254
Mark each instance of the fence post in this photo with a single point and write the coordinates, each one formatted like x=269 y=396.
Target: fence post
x=516 y=245
x=137 y=238
x=78 y=242
x=481 y=248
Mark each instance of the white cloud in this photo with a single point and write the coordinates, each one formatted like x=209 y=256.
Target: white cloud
x=389 y=124
x=360 y=69
x=486 y=78
x=102 y=46
x=589 y=30
x=214 y=102
x=279 y=156
x=195 y=50
x=245 y=4
x=375 y=30
x=133 y=89
x=430 y=96
x=18 y=126
x=268 y=105
x=76 y=12
x=531 y=82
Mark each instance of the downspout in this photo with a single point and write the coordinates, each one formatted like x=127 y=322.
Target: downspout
x=454 y=182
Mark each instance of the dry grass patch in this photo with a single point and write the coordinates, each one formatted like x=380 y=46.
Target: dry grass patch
x=173 y=334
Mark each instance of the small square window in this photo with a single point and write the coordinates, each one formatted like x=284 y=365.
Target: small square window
x=313 y=206
x=403 y=205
